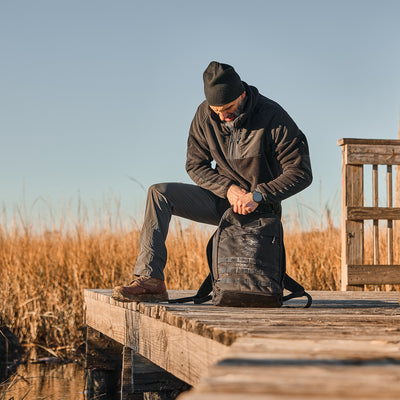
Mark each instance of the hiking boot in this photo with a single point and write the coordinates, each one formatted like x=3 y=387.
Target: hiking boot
x=142 y=288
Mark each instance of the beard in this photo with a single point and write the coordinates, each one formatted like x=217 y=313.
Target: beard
x=239 y=110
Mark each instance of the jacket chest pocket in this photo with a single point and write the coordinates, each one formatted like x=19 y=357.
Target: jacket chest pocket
x=249 y=144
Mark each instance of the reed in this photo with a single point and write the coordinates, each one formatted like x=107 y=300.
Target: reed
x=44 y=271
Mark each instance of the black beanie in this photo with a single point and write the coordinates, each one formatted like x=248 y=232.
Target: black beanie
x=222 y=84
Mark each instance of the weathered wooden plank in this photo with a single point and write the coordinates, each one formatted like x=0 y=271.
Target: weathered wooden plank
x=254 y=396
x=299 y=368
x=185 y=354
x=305 y=379
x=375 y=204
x=330 y=312
x=319 y=349
x=352 y=231
x=365 y=213
x=194 y=395
x=396 y=232
x=106 y=318
x=374 y=274
x=389 y=193
x=330 y=320
x=317 y=295
x=224 y=324
x=361 y=154
x=369 y=142
x=329 y=326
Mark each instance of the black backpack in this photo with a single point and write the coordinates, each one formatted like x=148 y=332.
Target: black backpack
x=246 y=256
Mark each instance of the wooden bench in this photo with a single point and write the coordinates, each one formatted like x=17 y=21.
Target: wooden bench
x=357 y=154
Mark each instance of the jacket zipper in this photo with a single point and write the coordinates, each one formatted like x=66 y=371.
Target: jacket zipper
x=234 y=144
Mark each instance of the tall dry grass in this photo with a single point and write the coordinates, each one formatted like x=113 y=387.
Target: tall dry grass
x=44 y=271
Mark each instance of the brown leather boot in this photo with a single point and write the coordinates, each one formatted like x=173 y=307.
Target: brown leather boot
x=142 y=288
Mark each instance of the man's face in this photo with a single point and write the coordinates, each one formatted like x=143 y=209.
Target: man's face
x=228 y=112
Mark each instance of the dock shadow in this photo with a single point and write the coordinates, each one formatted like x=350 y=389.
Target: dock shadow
x=343 y=303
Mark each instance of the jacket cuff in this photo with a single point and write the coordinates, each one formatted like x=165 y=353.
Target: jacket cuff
x=227 y=188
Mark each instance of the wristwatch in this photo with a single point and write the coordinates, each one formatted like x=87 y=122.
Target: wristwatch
x=257 y=196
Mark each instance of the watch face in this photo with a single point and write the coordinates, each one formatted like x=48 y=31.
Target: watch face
x=257 y=197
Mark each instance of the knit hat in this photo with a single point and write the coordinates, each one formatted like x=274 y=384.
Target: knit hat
x=222 y=84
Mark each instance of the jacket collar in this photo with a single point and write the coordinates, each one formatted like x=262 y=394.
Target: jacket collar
x=251 y=100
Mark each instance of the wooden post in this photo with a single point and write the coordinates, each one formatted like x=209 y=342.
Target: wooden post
x=375 y=203
x=352 y=231
x=389 y=181
x=397 y=204
x=141 y=379
x=114 y=368
x=103 y=364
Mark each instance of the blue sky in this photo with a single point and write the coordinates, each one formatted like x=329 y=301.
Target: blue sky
x=94 y=92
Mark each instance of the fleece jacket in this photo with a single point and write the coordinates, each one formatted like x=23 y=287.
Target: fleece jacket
x=262 y=150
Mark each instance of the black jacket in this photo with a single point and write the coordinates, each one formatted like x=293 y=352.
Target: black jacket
x=265 y=151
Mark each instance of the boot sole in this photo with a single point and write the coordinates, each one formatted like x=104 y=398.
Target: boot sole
x=151 y=298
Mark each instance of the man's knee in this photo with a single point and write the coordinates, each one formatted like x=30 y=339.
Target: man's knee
x=158 y=189
x=170 y=193
x=164 y=193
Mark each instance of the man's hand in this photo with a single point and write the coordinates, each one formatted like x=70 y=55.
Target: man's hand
x=245 y=204
x=234 y=193
x=241 y=200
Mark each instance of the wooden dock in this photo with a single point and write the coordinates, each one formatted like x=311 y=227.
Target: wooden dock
x=346 y=346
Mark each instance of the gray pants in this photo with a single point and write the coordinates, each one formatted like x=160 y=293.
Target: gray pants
x=163 y=201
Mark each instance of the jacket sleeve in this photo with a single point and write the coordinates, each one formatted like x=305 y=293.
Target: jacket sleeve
x=291 y=154
x=198 y=161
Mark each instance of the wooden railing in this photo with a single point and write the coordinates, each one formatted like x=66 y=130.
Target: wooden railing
x=356 y=153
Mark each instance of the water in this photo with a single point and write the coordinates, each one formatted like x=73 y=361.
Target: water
x=37 y=381
x=48 y=378
x=45 y=381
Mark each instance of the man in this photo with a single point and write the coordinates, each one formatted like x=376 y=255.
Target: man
x=261 y=158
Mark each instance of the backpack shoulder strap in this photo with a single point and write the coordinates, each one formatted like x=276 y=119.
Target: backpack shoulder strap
x=296 y=290
x=202 y=295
